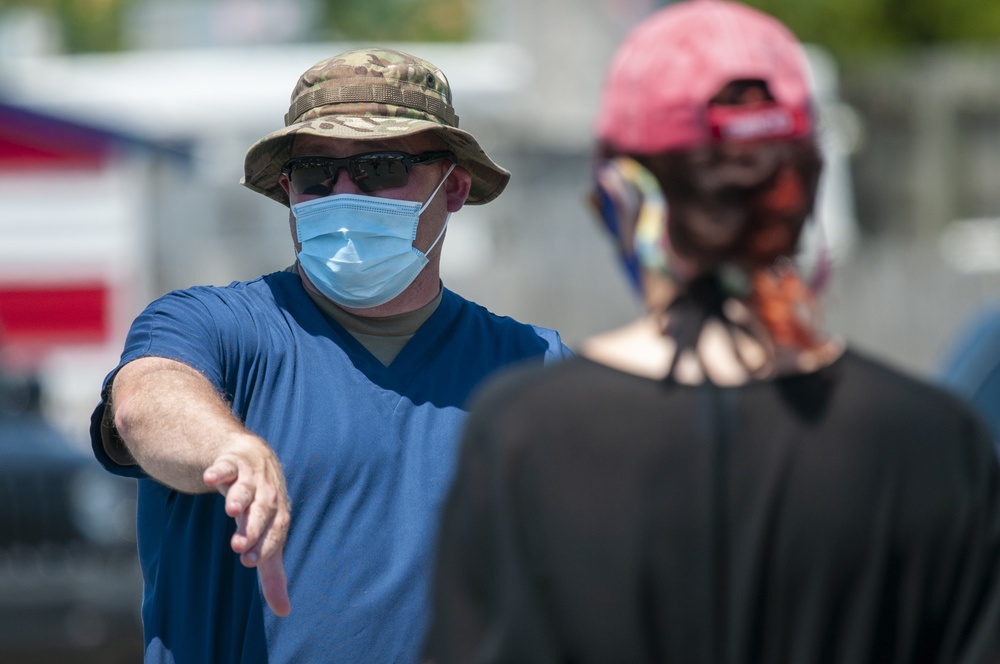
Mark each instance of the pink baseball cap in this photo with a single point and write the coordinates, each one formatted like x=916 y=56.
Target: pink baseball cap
x=658 y=87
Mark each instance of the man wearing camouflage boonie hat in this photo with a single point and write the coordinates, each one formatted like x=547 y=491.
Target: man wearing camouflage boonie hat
x=366 y=95
x=335 y=386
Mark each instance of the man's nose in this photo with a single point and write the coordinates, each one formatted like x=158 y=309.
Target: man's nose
x=344 y=184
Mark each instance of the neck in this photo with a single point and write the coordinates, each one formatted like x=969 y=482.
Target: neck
x=767 y=323
x=743 y=349
x=729 y=330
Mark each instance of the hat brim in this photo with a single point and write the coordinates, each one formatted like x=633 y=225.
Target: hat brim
x=266 y=157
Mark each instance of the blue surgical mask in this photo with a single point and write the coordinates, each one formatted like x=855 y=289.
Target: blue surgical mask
x=358 y=250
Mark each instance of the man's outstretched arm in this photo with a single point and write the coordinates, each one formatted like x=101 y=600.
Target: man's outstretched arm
x=184 y=435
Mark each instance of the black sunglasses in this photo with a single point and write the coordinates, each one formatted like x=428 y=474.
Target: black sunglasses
x=371 y=171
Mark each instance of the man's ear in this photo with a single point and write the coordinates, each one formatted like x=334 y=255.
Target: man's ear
x=457 y=187
x=283 y=181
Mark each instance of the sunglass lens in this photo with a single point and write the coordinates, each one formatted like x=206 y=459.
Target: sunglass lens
x=311 y=181
x=379 y=172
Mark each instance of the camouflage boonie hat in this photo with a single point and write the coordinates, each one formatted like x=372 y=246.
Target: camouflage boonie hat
x=372 y=94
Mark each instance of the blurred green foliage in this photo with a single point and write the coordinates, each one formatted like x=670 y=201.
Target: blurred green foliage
x=86 y=25
x=848 y=28
x=97 y=25
x=399 y=20
x=855 y=28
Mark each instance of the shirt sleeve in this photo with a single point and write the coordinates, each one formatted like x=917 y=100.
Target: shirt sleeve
x=557 y=350
x=972 y=369
x=181 y=326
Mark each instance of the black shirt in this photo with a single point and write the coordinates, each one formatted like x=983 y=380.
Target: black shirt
x=849 y=515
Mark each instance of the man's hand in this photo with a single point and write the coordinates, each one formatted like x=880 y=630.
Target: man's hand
x=254 y=487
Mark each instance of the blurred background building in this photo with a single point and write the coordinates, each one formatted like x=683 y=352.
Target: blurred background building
x=123 y=126
x=911 y=120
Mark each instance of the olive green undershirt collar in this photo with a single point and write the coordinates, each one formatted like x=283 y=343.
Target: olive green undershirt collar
x=383 y=337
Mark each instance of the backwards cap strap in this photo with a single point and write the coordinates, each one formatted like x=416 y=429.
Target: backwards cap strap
x=762 y=122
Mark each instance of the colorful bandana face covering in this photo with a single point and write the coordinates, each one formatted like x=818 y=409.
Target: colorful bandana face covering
x=634 y=211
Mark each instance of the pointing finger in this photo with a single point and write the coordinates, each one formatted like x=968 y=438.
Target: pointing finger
x=274 y=584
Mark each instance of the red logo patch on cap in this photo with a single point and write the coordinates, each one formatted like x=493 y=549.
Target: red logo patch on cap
x=754 y=123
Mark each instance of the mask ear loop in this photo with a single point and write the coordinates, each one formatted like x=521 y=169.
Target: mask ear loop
x=447 y=217
x=436 y=189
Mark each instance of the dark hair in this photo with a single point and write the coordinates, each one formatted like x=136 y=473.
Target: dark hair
x=743 y=203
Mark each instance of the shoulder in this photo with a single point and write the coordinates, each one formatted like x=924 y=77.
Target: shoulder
x=881 y=379
x=911 y=410
x=537 y=391
x=475 y=312
x=485 y=325
x=261 y=291
x=568 y=422
x=215 y=316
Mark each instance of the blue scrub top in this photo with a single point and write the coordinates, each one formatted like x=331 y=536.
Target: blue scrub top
x=368 y=452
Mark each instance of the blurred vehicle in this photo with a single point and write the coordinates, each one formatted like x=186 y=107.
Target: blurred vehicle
x=70 y=586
